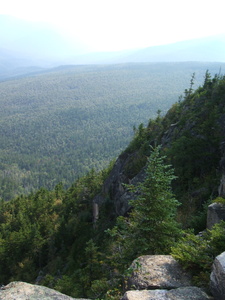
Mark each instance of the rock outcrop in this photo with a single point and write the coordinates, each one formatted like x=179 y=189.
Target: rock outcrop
x=217 y=278
x=24 y=291
x=114 y=188
x=158 y=272
x=184 y=293
x=161 y=277
x=215 y=214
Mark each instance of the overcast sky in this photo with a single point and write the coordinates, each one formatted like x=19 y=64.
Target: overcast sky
x=111 y=25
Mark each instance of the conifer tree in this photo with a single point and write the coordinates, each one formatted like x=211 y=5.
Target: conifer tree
x=151 y=227
x=153 y=218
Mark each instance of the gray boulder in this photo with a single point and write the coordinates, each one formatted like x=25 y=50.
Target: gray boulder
x=24 y=291
x=157 y=272
x=184 y=293
x=145 y=295
x=216 y=213
x=187 y=293
x=217 y=278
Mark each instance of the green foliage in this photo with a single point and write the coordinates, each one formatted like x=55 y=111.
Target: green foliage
x=197 y=252
x=27 y=232
x=139 y=146
x=151 y=227
x=198 y=219
x=194 y=146
x=138 y=139
x=191 y=251
x=153 y=218
x=219 y=200
x=44 y=229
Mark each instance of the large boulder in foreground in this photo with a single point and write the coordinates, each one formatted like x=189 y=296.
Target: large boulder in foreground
x=185 y=293
x=24 y=291
x=157 y=272
x=217 y=278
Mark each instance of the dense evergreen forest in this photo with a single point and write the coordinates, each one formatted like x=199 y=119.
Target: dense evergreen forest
x=48 y=236
x=58 y=124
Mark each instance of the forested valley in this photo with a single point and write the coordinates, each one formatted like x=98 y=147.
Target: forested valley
x=48 y=236
x=56 y=125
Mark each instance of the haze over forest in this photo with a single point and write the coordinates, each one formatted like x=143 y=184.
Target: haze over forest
x=25 y=44
x=71 y=110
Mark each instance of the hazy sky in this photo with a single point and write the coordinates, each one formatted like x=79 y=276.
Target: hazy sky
x=109 y=25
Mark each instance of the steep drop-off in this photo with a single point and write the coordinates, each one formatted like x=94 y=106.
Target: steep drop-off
x=192 y=135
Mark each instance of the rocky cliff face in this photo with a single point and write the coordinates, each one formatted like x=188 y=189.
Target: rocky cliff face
x=114 y=186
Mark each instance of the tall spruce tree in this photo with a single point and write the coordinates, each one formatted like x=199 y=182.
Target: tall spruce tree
x=153 y=218
x=151 y=227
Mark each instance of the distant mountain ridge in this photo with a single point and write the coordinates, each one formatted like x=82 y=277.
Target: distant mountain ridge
x=210 y=49
x=26 y=44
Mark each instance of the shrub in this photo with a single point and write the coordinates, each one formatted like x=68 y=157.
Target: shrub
x=197 y=252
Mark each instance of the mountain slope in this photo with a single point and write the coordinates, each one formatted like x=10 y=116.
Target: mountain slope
x=192 y=135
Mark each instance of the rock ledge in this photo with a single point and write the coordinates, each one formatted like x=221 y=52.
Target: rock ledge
x=24 y=291
x=158 y=272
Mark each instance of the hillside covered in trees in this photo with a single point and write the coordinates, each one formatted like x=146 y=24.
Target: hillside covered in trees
x=58 y=124
x=49 y=237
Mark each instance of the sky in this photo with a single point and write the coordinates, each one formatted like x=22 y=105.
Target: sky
x=114 y=25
